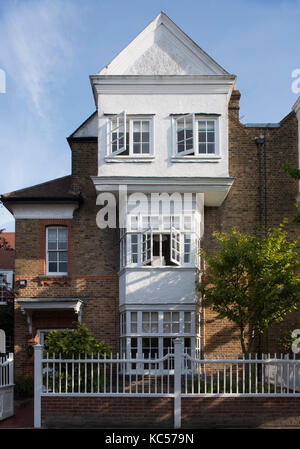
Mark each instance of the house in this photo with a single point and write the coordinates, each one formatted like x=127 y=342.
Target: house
x=7 y=263
x=166 y=153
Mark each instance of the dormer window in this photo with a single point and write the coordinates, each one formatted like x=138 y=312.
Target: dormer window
x=130 y=136
x=195 y=135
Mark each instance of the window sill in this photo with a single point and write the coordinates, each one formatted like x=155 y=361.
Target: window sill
x=129 y=159
x=196 y=159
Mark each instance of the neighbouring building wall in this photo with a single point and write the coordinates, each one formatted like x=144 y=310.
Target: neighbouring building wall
x=241 y=210
x=93 y=266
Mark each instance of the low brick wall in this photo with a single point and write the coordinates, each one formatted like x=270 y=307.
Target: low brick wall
x=118 y=412
x=143 y=412
x=240 y=412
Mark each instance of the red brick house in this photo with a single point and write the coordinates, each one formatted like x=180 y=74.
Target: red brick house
x=166 y=123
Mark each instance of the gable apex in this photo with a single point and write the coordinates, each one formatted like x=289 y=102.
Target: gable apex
x=162 y=48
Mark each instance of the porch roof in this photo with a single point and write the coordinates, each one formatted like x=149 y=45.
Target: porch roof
x=29 y=305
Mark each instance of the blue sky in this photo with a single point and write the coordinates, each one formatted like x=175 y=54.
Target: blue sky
x=48 y=49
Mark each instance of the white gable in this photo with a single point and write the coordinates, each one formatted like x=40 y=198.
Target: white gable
x=89 y=128
x=162 y=48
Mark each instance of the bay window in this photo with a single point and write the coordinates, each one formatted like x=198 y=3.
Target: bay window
x=151 y=334
x=166 y=241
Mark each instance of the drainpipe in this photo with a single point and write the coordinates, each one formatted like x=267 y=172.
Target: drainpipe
x=260 y=142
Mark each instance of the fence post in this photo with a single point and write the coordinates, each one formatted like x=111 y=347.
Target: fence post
x=178 y=353
x=38 y=352
x=11 y=368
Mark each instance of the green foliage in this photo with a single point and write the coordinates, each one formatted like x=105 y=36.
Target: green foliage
x=285 y=342
x=295 y=174
x=73 y=344
x=69 y=342
x=252 y=280
x=24 y=387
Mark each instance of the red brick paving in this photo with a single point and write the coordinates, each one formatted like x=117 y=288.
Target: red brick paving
x=23 y=418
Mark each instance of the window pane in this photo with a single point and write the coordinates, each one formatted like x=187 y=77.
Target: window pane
x=62 y=245
x=202 y=148
x=52 y=257
x=62 y=234
x=136 y=137
x=136 y=148
x=210 y=148
x=145 y=316
x=136 y=127
x=145 y=126
x=145 y=148
x=52 y=234
x=145 y=137
x=63 y=267
x=52 y=267
x=210 y=125
x=187 y=322
x=180 y=147
x=202 y=125
x=202 y=137
x=210 y=137
x=63 y=256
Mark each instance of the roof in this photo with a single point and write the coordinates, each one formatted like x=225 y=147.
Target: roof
x=162 y=48
x=7 y=255
x=55 y=190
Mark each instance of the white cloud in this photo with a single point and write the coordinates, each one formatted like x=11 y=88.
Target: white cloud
x=36 y=47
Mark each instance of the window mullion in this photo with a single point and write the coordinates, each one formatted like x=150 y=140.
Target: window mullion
x=130 y=144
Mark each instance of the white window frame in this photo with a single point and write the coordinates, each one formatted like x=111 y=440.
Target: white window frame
x=194 y=153
x=175 y=240
x=57 y=273
x=119 y=118
x=184 y=117
x=138 y=334
x=128 y=120
x=147 y=239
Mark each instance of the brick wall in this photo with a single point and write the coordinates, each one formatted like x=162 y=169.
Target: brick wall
x=241 y=210
x=107 y=412
x=141 y=412
x=93 y=264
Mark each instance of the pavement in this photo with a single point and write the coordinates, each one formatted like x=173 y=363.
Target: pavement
x=23 y=417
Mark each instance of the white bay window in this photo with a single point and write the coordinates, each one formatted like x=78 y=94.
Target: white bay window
x=163 y=241
x=151 y=334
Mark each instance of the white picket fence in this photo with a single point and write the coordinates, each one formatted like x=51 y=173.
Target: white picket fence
x=6 y=385
x=176 y=375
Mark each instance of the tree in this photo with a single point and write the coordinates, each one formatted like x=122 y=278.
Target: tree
x=252 y=280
